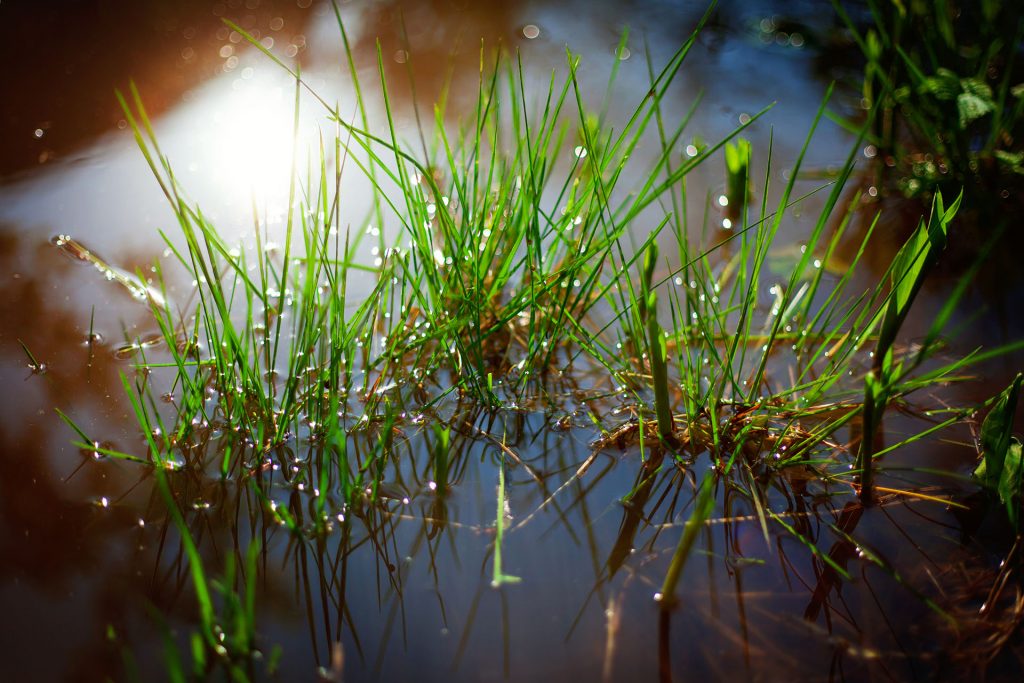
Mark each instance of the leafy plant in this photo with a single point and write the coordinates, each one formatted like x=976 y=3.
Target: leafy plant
x=1001 y=468
x=948 y=80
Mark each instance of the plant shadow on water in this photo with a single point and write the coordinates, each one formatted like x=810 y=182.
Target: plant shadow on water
x=587 y=451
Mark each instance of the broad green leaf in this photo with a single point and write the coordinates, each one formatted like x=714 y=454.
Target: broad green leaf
x=1001 y=468
x=944 y=85
x=1013 y=161
x=971 y=107
x=996 y=432
x=1011 y=483
x=978 y=88
x=911 y=265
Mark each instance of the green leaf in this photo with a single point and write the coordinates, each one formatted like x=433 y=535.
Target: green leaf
x=737 y=157
x=1001 y=467
x=737 y=165
x=704 y=504
x=944 y=85
x=971 y=108
x=873 y=46
x=910 y=267
x=1013 y=161
x=996 y=433
x=650 y=263
x=978 y=88
x=1018 y=91
x=876 y=397
x=1011 y=483
x=198 y=654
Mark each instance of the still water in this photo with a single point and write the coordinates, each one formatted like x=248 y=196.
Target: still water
x=406 y=588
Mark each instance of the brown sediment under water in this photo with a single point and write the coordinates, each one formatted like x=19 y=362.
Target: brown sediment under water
x=402 y=583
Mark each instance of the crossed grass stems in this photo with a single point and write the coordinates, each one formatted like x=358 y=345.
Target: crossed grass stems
x=518 y=281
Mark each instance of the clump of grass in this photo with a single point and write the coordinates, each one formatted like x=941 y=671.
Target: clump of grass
x=494 y=283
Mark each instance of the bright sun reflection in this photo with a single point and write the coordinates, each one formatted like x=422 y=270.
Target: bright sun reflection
x=252 y=142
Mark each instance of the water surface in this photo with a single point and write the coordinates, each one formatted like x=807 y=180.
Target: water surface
x=406 y=586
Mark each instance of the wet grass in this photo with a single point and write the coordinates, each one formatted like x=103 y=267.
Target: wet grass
x=512 y=269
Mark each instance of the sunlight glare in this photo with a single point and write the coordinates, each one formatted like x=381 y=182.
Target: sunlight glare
x=253 y=142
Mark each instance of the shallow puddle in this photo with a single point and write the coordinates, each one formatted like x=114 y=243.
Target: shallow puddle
x=543 y=555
